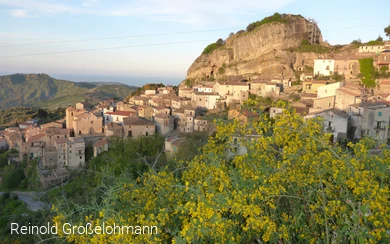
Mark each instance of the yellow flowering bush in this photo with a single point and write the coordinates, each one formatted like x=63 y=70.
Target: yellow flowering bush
x=269 y=181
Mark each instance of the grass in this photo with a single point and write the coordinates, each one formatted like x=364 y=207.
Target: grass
x=41 y=90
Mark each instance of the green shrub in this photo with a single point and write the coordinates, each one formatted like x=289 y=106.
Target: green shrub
x=210 y=48
x=367 y=72
x=13 y=178
x=274 y=18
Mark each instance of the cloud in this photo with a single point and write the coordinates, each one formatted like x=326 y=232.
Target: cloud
x=184 y=11
x=19 y=13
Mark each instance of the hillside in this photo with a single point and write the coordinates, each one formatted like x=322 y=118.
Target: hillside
x=275 y=46
x=41 y=90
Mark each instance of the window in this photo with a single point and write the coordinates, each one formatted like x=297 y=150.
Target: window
x=379 y=113
x=81 y=157
x=329 y=106
x=147 y=133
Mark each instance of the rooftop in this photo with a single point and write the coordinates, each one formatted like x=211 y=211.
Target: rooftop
x=61 y=140
x=101 y=143
x=136 y=121
x=121 y=113
x=77 y=140
x=232 y=83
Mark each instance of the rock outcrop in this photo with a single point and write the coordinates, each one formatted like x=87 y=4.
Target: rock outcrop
x=263 y=52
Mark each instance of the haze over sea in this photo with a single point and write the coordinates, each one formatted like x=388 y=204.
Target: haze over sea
x=127 y=80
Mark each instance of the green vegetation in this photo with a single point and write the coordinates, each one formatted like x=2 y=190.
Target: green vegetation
x=41 y=90
x=13 y=178
x=357 y=42
x=13 y=116
x=221 y=70
x=291 y=186
x=367 y=72
x=149 y=86
x=280 y=18
x=308 y=48
x=13 y=210
x=374 y=43
x=387 y=31
x=211 y=47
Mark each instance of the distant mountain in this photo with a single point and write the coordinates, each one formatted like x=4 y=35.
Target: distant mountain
x=41 y=90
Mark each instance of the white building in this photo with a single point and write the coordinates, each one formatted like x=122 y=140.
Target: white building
x=274 y=111
x=335 y=122
x=370 y=119
x=118 y=116
x=371 y=49
x=324 y=67
x=329 y=90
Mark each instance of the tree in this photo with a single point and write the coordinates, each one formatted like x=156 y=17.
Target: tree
x=357 y=42
x=220 y=42
x=13 y=178
x=367 y=72
x=379 y=39
x=387 y=31
x=290 y=186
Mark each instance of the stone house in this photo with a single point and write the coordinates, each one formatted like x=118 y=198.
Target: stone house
x=257 y=85
x=371 y=49
x=384 y=58
x=205 y=100
x=118 y=116
x=323 y=103
x=157 y=102
x=113 y=129
x=83 y=106
x=145 y=111
x=200 y=124
x=164 y=123
x=139 y=100
x=348 y=67
x=346 y=96
x=180 y=102
x=335 y=122
x=68 y=152
x=136 y=126
x=384 y=86
x=122 y=106
x=185 y=92
x=172 y=144
x=370 y=119
x=230 y=89
x=100 y=146
x=243 y=116
x=324 y=67
x=275 y=111
x=161 y=110
x=329 y=89
x=311 y=86
x=52 y=133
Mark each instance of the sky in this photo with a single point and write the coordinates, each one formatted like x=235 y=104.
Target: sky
x=141 y=41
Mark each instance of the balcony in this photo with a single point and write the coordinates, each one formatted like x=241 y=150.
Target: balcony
x=380 y=128
x=330 y=129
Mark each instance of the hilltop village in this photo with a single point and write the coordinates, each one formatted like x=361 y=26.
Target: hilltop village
x=350 y=111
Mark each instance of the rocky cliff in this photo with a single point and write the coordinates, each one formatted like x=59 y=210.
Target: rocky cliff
x=267 y=51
